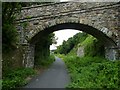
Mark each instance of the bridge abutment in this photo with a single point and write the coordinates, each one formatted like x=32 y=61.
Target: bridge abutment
x=111 y=53
x=28 y=56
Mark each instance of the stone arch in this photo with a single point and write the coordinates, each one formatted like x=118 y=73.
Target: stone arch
x=83 y=21
x=77 y=26
x=107 y=41
x=111 y=53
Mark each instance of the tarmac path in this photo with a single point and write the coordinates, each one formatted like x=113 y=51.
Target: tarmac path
x=54 y=77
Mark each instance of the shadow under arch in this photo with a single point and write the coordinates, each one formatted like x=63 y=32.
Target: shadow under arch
x=76 y=26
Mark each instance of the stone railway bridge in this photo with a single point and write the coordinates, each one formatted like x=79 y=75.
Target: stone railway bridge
x=98 y=19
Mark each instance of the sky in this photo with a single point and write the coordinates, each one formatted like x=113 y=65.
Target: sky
x=63 y=35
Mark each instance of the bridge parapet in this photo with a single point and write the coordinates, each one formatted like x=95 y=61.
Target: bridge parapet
x=58 y=8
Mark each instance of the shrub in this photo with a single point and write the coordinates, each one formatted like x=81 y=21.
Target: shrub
x=16 y=78
x=92 y=72
x=9 y=84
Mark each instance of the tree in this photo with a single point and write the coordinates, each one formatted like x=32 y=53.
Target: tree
x=9 y=32
x=68 y=45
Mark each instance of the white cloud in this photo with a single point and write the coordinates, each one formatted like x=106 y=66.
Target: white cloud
x=63 y=35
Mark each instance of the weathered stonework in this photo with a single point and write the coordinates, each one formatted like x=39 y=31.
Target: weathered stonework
x=28 y=56
x=102 y=17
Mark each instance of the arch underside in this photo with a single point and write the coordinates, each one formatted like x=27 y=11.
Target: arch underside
x=77 y=26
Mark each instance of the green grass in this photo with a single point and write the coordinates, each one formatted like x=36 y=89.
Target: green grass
x=92 y=72
x=16 y=78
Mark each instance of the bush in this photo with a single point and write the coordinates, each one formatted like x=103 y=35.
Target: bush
x=16 y=78
x=9 y=84
x=92 y=72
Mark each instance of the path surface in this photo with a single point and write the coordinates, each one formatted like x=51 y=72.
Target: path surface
x=55 y=77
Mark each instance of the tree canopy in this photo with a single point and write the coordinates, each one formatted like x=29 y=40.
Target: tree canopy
x=68 y=45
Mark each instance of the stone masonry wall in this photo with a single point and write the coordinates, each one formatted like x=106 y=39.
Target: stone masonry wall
x=102 y=16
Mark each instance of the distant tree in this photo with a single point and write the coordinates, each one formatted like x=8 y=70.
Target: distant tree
x=68 y=45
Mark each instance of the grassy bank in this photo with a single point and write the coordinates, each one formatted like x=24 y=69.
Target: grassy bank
x=92 y=72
